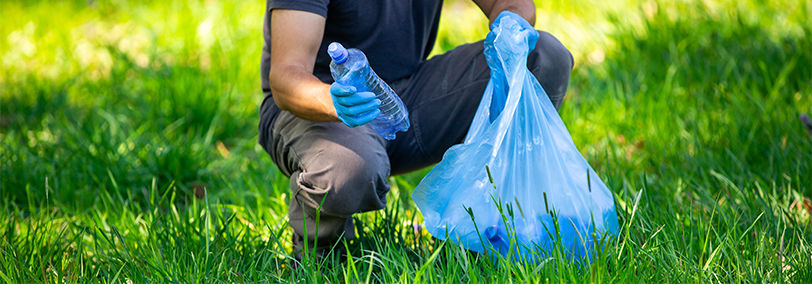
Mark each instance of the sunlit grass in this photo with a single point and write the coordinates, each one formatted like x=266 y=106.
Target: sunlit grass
x=128 y=133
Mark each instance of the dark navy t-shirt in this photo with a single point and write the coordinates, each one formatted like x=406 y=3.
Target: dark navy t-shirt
x=396 y=35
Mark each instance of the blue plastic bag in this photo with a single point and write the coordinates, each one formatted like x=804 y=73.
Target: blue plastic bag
x=537 y=172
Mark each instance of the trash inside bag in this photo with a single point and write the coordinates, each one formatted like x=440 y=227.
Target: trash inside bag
x=516 y=172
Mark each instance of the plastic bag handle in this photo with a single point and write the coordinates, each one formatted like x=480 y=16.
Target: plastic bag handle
x=511 y=53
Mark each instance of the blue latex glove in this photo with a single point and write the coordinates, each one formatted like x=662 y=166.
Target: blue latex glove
x=528 y=34
x=352 y=107
x=525 y=33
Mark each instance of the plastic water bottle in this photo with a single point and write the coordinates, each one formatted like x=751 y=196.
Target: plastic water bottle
x=350 y=67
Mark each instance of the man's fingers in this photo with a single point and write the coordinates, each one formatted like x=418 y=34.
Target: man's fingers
x=358 y=120
x=357 y=99
x=354 y=108
x=341 y=90
x=359 y=109
x=348 y=120
x=365 y=118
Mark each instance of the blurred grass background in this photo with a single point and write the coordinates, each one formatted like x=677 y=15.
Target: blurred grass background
x=128 y=144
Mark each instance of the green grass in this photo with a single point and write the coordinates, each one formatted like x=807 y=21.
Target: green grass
x=128 y=147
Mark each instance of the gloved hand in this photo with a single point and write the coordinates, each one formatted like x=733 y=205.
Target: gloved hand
x=525 y=35
x=530 y=34
x=354 y=108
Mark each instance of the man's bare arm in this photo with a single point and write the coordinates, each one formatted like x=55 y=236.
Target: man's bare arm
x=295 y=40
x=524 y=8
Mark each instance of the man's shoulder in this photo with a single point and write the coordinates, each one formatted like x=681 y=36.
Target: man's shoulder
x=318 y=7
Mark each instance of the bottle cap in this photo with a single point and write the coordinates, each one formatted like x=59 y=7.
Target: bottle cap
x=337 y=52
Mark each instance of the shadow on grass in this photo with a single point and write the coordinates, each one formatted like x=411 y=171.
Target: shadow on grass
x=699 y=93
x=78 y=136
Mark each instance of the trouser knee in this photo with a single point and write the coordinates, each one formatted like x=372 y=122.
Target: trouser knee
x=343 y=182
x=551 y=63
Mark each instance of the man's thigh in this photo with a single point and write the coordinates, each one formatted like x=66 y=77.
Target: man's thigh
x=443 y=94
x=299 y=144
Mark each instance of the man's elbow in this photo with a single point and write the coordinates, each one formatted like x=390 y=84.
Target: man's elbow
x=278 y=99
x=280 y=103
x=278 y=93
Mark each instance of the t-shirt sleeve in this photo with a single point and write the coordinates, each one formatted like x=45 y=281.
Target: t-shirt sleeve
x=318 y=7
